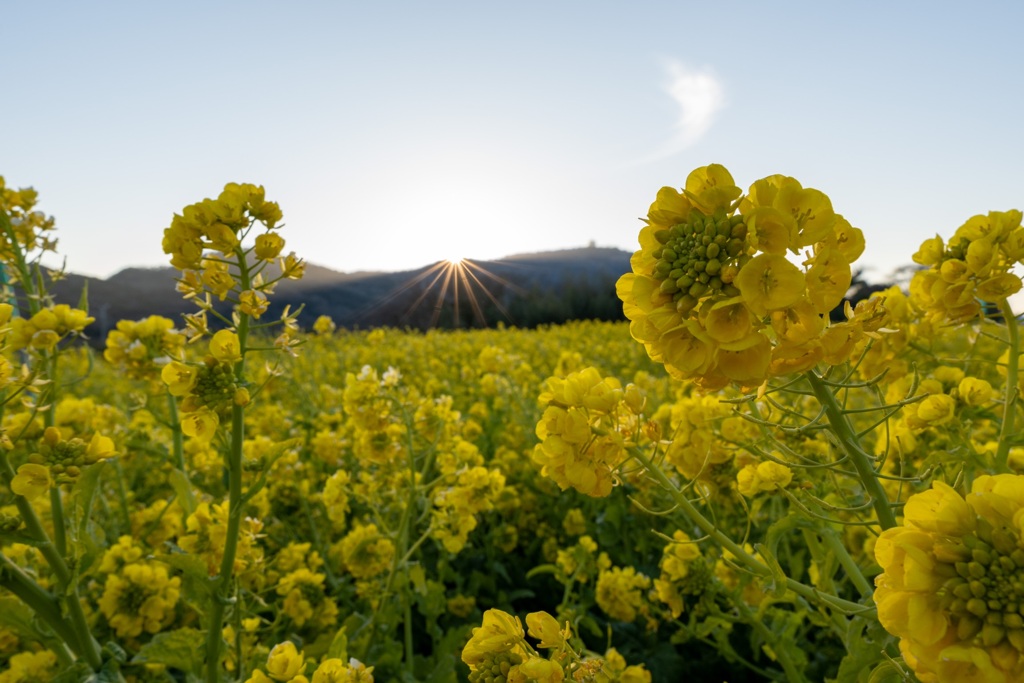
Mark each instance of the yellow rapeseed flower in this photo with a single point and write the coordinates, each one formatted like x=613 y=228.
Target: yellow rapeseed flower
x=713 y=294
x=285 y=661
x=31 y=481
x=952 y=582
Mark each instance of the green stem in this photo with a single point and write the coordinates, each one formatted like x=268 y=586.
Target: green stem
x=843 y=431
x=221 y=595
x=91 y=649
x=1012 y=377
x=835 y=545
x=742 y=556
x=45 y=605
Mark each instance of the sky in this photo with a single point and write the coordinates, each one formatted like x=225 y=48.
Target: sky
x=396 y=134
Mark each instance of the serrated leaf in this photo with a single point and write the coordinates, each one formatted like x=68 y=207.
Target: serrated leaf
x=181 y=649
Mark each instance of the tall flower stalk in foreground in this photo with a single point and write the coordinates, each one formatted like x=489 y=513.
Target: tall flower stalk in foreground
x=52 y=463
x=210 y=242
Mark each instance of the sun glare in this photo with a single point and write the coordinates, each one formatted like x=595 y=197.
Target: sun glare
x=455 y=260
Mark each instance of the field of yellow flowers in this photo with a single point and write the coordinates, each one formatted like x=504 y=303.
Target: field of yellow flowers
x=730 y=487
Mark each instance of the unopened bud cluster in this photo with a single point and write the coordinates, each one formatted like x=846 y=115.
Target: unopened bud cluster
x=495 y=667
x=700 y=258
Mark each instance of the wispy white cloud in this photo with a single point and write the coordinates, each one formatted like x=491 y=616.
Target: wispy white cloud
x=700 y=97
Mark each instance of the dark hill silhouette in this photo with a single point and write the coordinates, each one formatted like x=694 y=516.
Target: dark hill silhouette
x=523 y=290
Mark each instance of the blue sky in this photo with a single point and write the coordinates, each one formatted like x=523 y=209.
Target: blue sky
x=395 y=134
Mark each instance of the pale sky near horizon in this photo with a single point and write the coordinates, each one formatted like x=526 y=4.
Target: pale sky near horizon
x=396 y=134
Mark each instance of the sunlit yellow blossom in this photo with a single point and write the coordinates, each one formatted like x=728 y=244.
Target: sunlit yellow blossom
x=500 y=632
x=252 y=302
x=29 y=667
x=365 y=552
x=32 y=480
x=765 y=476
x=977 y=262
x=140 y=598
x=619 y=593
x=324 y=325
x=179 y=378
x=710 y=270
x=950 y=586
x=337 y=671
x=269 y=245
x=541 y=670
x=975 y=392
x=769 y=282
x=200 y=424
x=545 y=628
x=225 y=347
x=284 y=661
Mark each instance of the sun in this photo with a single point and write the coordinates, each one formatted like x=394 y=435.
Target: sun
x=455 y=260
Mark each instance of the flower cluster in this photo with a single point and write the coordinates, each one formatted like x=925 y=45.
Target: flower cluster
x=472 y=491
x=286 y=664
x=48 y=327
x=207 y=242
x=712 y=294
x=141 y=348
x=28 y=226
x=365 y=552
x=207 y=390
x=570 y=452
x=498 y=652
x=682 y=572
x=620 y=593
x=140 y=597
x=765 y=476
x=305 y=599
x=59 y=461
x=217 y=224
x=952 y=586
x=975 y=265
x=206 y=531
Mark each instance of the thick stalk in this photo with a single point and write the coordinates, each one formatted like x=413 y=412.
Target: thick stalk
x=1012 y=378
x=222 y=591
x=836 y=547
x=843 y=431
x=44 y=604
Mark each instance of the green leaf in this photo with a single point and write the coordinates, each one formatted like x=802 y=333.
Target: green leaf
x=183 y=488
x=863 y=653
x=181 y=649
x=83 y=300
x=339 y=646
x=88 y=536
x=195 y=579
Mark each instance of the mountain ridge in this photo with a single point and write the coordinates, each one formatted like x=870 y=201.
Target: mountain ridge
x=524 y=289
